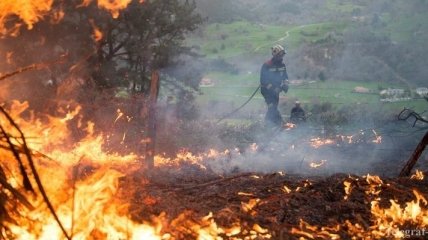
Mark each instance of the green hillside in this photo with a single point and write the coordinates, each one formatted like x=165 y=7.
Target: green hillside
x=317 y=36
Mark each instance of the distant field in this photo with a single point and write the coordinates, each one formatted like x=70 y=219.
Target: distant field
x=246 y=38
x=236 y=90
x=342 y=6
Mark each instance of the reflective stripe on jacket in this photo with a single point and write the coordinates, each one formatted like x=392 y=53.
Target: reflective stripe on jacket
x=272 y=75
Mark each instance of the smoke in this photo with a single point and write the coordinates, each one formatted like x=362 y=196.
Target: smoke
x=304 y=151
x=383 y=45
x=365 y=52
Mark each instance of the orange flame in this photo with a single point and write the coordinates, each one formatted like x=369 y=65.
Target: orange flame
x=248 y=207
x=32 y=11
x=97 y=34
x=286 y=189
x=28 y=11
x=86 y=186
x=378 y=138
x=289 y=126
x=387 y=220
x=317 y=165
x=113 y=6
x=419 y=175
x=348 y=189
x=85 y=202
x=318 y=142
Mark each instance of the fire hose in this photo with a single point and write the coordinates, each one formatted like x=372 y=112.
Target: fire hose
x=240 y=107
x=245 y=103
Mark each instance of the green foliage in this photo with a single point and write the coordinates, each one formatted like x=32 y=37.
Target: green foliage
x=144 y=37
x=342 y=40
x=324 y=114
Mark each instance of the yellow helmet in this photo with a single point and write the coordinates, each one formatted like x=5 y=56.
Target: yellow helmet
x=278 y=50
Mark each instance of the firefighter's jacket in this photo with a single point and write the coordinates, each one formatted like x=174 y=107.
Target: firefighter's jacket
x=272 y=75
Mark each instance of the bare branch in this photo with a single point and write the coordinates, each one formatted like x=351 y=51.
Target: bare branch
x=28 y=154
x=407 y=113
x=34 y=66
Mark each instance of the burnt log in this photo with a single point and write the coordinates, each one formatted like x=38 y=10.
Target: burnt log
x=405 y=172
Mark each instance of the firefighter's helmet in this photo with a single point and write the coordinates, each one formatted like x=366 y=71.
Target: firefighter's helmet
x=278 y=50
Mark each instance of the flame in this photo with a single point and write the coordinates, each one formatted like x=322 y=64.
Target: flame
x=286 y=189
x=32 y=11
x=373 y=180
x=314 y=232
x=375 y=184
x=85 y=193
x=348 y=189
x=317 y=165
x=245 y=194
x=419 y=175
x=113 y=6
x=186 y=157
x=254 y=147
x=119 y=115
x=387 y=220
x=182 y=157
x=361 y=137
x=208 y=229
x=289 y=126
x=248 y=207
x=378 y=138
x=318 y=142
x=85 y=187
x=97 y=34
x=348 y=139
x=28 y=11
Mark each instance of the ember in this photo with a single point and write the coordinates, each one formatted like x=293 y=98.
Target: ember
x=289 y=126
x=318 y=142
x=419 y=175
x=61 y=178
x=317 y=165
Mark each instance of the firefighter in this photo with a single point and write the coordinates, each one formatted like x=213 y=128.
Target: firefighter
x=274 y=80
x=297 y=114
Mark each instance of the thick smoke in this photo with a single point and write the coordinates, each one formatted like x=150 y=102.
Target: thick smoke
x=361 y=53
x=294 y=152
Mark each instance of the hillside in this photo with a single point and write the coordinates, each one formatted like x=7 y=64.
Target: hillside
x=378 y=44
x=323 y=33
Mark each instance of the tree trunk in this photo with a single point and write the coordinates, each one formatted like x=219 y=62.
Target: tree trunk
x=407 y=169
x=151 y=121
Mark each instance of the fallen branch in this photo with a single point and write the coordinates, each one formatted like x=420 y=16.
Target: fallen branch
x=34 y=66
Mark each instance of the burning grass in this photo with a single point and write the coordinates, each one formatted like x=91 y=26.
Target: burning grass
x=98 y=194
x=289 y=206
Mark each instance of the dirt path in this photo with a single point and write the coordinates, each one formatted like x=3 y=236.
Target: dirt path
x=287 y=34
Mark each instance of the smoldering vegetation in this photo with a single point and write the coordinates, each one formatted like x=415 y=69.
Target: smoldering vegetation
x=365 y=52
